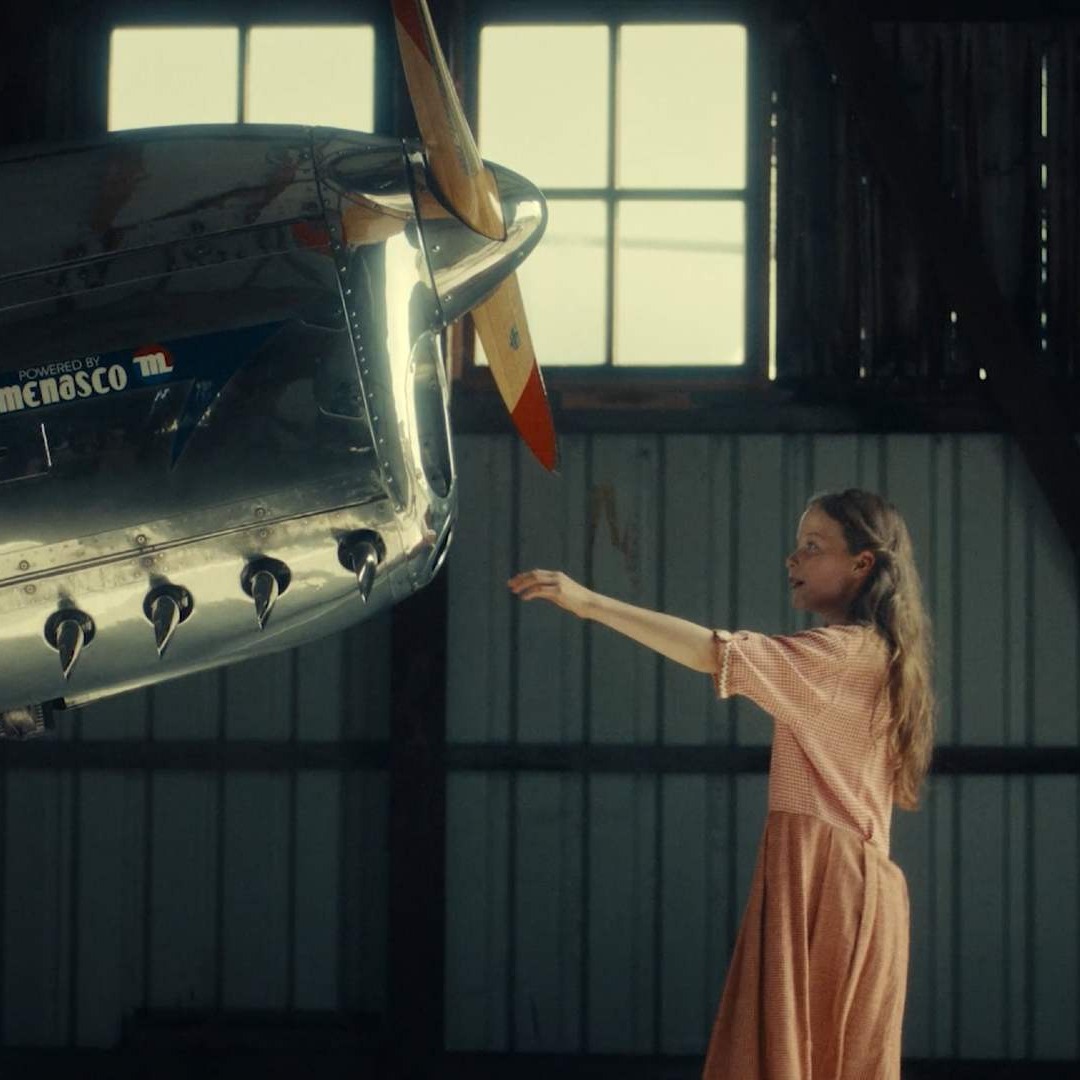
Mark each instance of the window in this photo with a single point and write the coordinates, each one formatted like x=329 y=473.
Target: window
x=637 y=136
x=288 y=74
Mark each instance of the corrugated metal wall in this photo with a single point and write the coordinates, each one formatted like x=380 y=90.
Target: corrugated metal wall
x=202 y=845
x=230 y=860
x=595 y=910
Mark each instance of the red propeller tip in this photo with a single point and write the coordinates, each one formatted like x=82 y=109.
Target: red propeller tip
x=532 y=418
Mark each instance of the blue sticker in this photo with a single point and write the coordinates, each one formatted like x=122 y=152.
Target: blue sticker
x=208 y=362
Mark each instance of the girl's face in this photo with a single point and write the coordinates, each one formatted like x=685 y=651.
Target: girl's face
x=823 y=575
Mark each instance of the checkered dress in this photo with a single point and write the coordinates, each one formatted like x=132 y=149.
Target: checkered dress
x=818 y=978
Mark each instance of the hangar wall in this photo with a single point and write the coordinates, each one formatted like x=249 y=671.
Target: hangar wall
x=221 y=842
x=593 y=901
x=214 y=843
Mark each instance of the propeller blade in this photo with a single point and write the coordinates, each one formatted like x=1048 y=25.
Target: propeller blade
x=451 y=150
x=504 y=333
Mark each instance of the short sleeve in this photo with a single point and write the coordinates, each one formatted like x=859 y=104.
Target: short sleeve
x=791 y=677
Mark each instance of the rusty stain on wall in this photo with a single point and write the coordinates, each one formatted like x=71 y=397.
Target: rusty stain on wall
x=603 y=509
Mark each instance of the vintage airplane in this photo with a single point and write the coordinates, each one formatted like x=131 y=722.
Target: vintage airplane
x=223 y=401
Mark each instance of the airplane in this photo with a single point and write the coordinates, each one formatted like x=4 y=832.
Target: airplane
x=223 y=398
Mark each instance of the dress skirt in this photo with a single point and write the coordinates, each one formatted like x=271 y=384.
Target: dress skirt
x=816 y=986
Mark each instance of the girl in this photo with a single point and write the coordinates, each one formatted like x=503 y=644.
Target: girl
x=818 y=977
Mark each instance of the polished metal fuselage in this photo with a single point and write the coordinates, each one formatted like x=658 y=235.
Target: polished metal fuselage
x=220 y=349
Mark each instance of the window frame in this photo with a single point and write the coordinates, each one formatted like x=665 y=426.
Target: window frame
x=243 y=15
x=591 y=384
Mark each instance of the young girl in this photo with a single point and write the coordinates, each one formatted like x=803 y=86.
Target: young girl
x=817 y=981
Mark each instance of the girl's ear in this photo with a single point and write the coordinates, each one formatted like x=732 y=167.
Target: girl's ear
x=864 y=562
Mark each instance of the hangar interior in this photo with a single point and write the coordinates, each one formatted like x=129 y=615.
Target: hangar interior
x=474 y=838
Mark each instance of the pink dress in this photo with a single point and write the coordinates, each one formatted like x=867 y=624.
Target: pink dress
x=817 y=982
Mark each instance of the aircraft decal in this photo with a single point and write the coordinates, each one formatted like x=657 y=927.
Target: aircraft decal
x=208 y=362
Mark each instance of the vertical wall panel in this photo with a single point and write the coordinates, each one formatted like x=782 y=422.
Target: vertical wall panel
x=981 y=655
x=479 y=618
x=1056 y=918
x=187 y=708
x=184 y=892
x=796 y=486
x=1055 y=637
x=693 y=586
x=255 y=893
x=123 y=717
x=911 y=847
x=258 y=697
x=945 y=918
x=554 y=515
x=317 y=888
x=319 y=689
x=365 y=653
x=37 y=909
x=721 y=585
x=943 y=579
x=982 y=900
x=548 y=914
x=477 y=874
x=686 y=982
x=835 y=463
x=622 y=869
x=362 y=901
x=764 y=533
x=1020 y=492
x=622 y=689
x=1016 y=948
x=109 y=924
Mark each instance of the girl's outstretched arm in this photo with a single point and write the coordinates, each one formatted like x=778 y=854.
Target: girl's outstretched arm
x=677 y=639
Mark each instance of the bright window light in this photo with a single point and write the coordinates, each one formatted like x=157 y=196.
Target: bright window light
x=321 y=75
x=544 y=102
x=618 y=278
x=159 y=76
x=680 y=271
x=682 y=107
x=562 y=284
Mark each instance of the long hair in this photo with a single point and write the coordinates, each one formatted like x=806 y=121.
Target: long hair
x=891 y=601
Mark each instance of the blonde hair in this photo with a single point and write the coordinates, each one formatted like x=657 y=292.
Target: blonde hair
x=891 y=601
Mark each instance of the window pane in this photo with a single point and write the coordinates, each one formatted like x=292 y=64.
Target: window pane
x=682 y=106
x=562 y=283
x=170 y=75
x=544 y=102
x=321 y=75
x=679 y=283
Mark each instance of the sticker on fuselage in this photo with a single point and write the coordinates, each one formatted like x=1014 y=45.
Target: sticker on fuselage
x=208 y=362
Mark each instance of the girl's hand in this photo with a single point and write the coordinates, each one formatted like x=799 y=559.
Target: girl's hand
x=552 y=585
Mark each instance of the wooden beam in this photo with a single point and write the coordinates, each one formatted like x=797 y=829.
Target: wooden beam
x=1015 y=376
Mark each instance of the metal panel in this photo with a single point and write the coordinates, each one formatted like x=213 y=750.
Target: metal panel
x=552 y=533
x=1055 y=918
x=622 y=889
x=693 y=577
x=255 y=893
x=547 y=914
x=108 y=955
x=37 y=875
x=624 y=514
x=183 y=902
x=317 y=887
x=480 y=561
x=652 y=871
x=981 y=642
x=477 y=931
